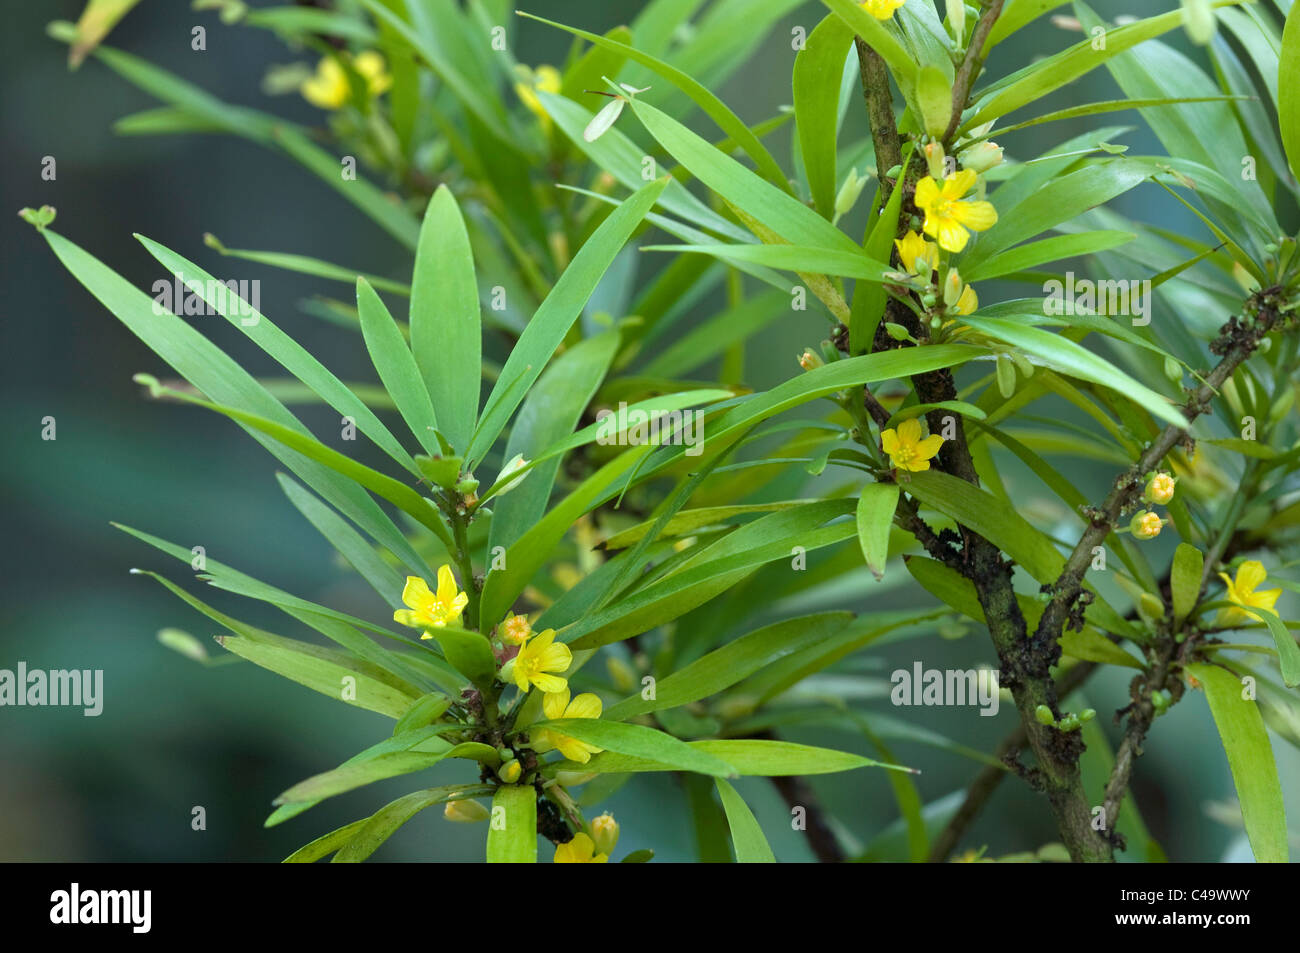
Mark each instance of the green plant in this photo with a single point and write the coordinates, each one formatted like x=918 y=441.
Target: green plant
x=714 y=507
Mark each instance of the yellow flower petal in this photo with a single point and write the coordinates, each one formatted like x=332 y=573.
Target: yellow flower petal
x=586 y=705
x=889 y=441
x=977 y=216
x=416 y=594
x=1249 y=575
x=909 y=431
x=547 y=683
x=555 y=703
x=929 y=447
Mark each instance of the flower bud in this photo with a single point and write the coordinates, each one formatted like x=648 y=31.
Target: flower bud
x=849 y=192
x=952 y=287
x=897 y=331
x=1173 y=370
x=1159 y=489
x=465 y=812
x=510 y=771
x=809 y=359
x=1006 y=377
x=981 y=157
x=571 y=779
x=934 y=160
x=515 y=463
x=515 y=630
x=1146 y=525
x=604 y=833
x=1044 y=715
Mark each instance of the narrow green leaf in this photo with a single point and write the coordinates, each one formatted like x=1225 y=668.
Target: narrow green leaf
x=548 y=414
x=746 y=756
x=640 y=742
x=781 y=212
x=1288 y=90
x=1288 y=652
x=396 y=366
x=716 y=110
x=818 y=70
x=346 y=684
x=385 y=822
x=445 y=324
x=736 y=660
x=1062 y=354
x=546 y=331
x=1185 y=580
x=875 y=517
x=746 y=836
x=1250 y=757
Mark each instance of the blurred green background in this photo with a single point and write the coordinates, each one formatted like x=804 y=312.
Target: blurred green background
x=174 y=735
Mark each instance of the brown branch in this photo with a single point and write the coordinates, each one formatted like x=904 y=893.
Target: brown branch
x=970 y=65
x=1236 y=343
x=880 y=109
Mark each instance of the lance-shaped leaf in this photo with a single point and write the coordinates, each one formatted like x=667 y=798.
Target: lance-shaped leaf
x=446 y=338
x=1185 y=580
x=215 y=374
x=290 y=355
x=1288 y=90
x=396 y=366
x=1062 y=354
x=728 y=121
x=724 y=667
x=384 y=823
x=357 y=774
x=746 y=756
x=746 y=836
x=640 y=742
x=549 y=413
x=1250 y=758
x=818 y=70
x=356 y=684
x=782 y=213
x=875 y=516
x=546 y=331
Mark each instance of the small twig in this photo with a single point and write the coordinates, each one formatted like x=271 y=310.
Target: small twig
x=970 y=65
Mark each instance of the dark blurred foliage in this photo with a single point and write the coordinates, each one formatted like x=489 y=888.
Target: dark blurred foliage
x=174 y=735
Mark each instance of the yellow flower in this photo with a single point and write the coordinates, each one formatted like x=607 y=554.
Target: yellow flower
x=906 y=449
x=548 y=80
x=535 y=660
x=556 y=705
x=372 y=69
x=580 y=850
x=1159 y=489
x=1146 y=525
x=881 y=9
x=329 y=88
x=1242 y=591
x=948 y=215
x=515 y=630
x=427 y=610
x=918 y=256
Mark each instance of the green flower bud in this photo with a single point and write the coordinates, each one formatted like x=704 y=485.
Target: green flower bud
x=1044 y=715
x=510 y=771
x=897 y=331
x=1006 y=375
